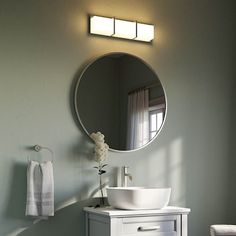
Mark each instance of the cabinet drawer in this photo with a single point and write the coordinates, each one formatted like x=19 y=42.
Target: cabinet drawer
x=153 y=226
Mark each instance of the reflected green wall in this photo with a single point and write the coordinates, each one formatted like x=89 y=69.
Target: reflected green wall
x=98 y=100
x=43 y=47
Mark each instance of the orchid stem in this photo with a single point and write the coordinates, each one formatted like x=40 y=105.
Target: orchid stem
x=102 y=199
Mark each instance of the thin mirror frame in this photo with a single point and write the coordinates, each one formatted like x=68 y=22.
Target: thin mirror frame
x=77 y=89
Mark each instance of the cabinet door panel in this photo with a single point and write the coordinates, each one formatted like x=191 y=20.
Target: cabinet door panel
x=97 y=228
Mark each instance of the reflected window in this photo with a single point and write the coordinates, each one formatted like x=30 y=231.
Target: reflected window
x=156 y=118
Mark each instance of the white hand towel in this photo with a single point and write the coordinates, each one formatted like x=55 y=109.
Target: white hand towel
x=40 y=189
x=217 y=230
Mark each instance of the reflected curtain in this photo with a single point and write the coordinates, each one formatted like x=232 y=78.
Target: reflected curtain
x=138 y=119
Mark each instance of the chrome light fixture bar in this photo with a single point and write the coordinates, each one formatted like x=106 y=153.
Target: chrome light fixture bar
x=117 y=28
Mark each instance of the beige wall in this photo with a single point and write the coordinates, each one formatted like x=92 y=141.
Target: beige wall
x=43 y=46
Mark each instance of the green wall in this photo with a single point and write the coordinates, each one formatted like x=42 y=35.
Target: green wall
x=43 y=47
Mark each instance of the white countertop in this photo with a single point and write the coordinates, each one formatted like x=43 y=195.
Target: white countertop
x=109 y=211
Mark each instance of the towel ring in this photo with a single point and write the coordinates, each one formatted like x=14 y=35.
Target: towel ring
x=38 y=148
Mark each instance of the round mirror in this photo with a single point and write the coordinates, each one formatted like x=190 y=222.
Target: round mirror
x=121 y=96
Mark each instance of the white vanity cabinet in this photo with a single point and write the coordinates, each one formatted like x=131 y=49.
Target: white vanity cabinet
x=169 y=221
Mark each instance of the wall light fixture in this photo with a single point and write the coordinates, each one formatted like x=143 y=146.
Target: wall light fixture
x=113 y=27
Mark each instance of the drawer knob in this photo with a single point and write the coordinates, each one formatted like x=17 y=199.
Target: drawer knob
x=150 y=228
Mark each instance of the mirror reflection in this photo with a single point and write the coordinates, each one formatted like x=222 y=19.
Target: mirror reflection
x=120 y=95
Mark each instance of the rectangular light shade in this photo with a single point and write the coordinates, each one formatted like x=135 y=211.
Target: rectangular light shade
x=145 y=32
x=125 y=29
x=102 y=25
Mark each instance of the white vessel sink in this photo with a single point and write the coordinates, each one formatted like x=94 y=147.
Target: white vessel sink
x=138 y=198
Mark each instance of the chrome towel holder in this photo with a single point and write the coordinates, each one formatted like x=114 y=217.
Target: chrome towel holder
x=39 y=148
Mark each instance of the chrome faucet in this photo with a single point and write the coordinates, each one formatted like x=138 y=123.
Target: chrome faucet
x=126 y=175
